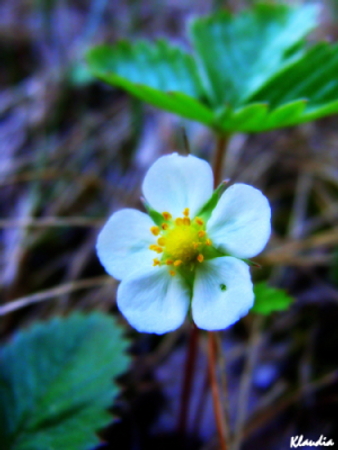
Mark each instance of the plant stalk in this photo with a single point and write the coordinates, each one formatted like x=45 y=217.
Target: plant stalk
x=189 y=371
x=193 y=341
x=216 y=397
x=221 y=424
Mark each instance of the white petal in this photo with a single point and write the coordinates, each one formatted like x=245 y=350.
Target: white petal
x=154 y=301
x=222 y=293
x=176 y=182
x=123 y=243
x=240 y=223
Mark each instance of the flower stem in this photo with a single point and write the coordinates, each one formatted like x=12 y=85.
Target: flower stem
x=221 y=423
x=224 y=388
x=218 y=410
x=221 y=145
x=188 y=381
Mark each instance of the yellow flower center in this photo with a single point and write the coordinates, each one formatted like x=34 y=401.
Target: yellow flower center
x=181 y=242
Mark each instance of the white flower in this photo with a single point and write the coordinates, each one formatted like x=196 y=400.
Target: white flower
x=187 y=251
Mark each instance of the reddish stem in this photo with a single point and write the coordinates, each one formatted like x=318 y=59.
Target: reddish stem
x=193 y=341
x=188 y=380
x=221 y=144
x=216 y=397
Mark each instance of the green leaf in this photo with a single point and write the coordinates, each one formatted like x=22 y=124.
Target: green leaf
x=157 y=73
x=251 y=72
x=269 y=299
x=313 y=78
x=56 y=383
x=240 y=53
x=257 y=117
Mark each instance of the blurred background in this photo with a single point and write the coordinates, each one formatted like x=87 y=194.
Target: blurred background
x=74 y=150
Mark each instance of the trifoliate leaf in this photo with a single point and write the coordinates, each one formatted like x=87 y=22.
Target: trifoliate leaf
x=56 y=383
x=269 y=299
x=250 y=72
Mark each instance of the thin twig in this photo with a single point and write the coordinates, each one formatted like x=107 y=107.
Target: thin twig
x=221 y=144
x=300 y=205
x=54 y=292
x=185 y=142
x=218 y=410
x=51 y=222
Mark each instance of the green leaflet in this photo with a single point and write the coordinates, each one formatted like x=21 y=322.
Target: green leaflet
x=240 y=53
x=56 y=383
x=250 y=72
x=313 y=78
x=157 y=73
x=269 y=299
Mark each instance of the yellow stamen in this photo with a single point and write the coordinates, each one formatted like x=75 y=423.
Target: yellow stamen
x=180 y=241
x=166 y=215
x=200 y=258
x=161 y=241
x=155 y=231
x=199 y=221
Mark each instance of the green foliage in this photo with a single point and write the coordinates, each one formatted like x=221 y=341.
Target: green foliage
x=313 y=78
x=156 y=73
x=250 y=72
x=240 y=53
x=268 y=299
x=56 y=383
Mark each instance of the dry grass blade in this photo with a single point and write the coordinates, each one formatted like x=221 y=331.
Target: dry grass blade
x=54 y=292
x=52 y=222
